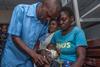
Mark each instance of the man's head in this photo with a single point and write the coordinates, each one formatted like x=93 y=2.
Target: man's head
x=50 y=9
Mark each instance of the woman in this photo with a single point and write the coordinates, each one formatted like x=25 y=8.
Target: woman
x=69 y=40
x=51 y=29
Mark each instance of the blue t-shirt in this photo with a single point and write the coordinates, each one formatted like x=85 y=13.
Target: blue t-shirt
x=68 y=43
x=29 y=28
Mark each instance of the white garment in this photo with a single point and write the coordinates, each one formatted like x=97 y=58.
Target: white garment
x=47 y=40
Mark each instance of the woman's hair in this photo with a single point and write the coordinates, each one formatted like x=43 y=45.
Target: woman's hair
x=55 y=22
x=53 y=19
x=68 y=11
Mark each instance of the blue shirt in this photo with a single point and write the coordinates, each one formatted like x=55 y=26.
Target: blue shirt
x=29 y=28
x=37 y=0
x=68 y=43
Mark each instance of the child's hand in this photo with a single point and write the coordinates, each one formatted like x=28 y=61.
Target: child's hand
x=58 y=51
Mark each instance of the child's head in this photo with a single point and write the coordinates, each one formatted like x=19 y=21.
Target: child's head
x=53 y=26
x=66 y=18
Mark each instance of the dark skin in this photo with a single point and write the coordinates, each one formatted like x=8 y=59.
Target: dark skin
x=21 y=45
x=53 y=26
x=81 y=51
x=65 y=25
x=44 y=13
x=47 y=10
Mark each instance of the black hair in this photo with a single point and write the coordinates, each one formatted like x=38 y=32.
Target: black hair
x=53 y=20
x=68 y=11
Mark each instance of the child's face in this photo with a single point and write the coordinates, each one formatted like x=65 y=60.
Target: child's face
x=52 y=26
x=65 y=21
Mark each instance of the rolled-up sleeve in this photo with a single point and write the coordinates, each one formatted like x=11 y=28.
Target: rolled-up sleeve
x=15 y=26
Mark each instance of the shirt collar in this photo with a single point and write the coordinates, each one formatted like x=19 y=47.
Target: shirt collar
x=32 y=10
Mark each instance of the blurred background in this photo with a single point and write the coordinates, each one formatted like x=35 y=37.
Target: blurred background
x=89 y=21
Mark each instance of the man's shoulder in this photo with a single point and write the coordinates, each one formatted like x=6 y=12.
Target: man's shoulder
x=23 y=6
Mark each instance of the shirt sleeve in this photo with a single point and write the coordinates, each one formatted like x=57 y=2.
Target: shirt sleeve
x=80 y=38
x=15 y=26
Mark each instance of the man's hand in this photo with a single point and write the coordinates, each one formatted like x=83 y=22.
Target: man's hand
x=39 y=59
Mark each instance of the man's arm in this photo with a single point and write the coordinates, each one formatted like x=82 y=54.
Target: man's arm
x=15 y=30
x=21 y=45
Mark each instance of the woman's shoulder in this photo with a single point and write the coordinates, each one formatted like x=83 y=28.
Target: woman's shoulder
x=57 y=32
x=77 y=29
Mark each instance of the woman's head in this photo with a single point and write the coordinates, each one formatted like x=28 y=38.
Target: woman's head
x=53 y=26
x=66 y=18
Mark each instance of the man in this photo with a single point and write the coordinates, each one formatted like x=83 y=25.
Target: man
x=28 y=24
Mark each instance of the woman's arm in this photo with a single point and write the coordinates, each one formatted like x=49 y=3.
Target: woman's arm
x=81 y=52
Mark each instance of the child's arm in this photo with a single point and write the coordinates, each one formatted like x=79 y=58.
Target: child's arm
x=51 y=46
